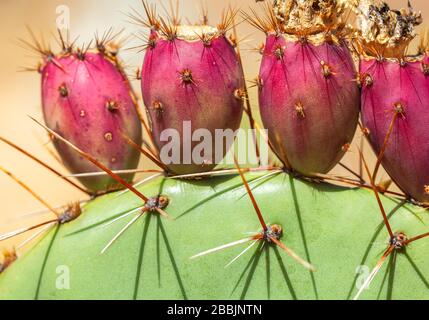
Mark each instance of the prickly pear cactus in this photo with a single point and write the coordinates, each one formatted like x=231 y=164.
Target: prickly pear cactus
x=269 y=232
x=151 y=260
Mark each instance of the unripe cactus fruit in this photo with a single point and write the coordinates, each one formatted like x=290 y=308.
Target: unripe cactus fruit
x=308 y=100
x=395 y=98
x=88 y=100
x=192 y=74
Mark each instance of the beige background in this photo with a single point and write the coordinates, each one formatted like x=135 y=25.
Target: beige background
x=20 y=92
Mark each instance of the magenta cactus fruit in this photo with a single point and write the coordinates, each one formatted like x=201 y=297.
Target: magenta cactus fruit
x=406 y=154
x=191 y=76
x=308 y=98
x=395 y=98
x=88 y=100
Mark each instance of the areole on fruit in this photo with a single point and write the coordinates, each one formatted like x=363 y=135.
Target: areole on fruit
x=191 y=75
x=308 y=98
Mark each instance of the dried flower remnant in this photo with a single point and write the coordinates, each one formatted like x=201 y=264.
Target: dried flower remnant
x=310 y=16
x=385 y=31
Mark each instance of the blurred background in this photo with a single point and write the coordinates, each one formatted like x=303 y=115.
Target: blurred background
x=20 y=91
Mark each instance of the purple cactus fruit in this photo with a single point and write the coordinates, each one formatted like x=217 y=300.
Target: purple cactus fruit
x=88 y=100
x=395 y=98
x=191 y=75
x=390 y=88
x=308 y=96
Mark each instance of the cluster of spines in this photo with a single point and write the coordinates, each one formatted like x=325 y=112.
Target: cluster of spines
x=168 y=27
x=108 y=44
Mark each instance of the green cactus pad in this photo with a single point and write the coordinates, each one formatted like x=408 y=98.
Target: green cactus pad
x=339 y=230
